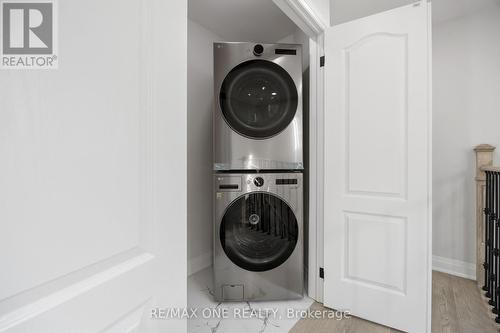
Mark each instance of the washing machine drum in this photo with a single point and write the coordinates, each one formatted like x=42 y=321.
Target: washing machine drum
x=258 y=99
x=259 y=232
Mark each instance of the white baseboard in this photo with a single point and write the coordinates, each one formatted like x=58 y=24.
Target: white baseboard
x=199 y=263
x=454 y=267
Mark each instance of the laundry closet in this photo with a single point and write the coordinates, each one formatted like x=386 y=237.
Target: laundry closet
x=248 y=81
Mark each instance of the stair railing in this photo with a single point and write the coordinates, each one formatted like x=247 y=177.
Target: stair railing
x=488 y=226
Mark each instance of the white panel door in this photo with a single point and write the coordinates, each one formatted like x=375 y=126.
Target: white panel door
x=92 y=234
x=377 y=168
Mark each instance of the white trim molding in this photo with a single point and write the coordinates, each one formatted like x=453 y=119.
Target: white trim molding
x=454 y=267
x=303 y=16
x=316 y=165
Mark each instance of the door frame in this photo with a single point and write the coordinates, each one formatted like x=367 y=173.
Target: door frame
x=313 y=26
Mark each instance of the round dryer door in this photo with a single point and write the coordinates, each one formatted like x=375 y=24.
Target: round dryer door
x=258 y=99
x=259 y=232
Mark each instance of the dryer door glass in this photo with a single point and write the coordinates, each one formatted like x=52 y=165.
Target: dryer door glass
x=258 y=99
x=259 y=232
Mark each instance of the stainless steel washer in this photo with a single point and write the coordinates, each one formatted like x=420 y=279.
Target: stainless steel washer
x=258 y=236
x=258 y=106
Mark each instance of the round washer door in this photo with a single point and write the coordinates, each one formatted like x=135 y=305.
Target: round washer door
x=258 y=232
x=258 y=99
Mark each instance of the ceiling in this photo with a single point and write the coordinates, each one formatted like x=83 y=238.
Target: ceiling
x=262 y=20
x=347 y=10
x=443 y=10
x=242 y=20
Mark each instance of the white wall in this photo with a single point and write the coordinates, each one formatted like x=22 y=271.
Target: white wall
x=200 y=108
x=466 y=56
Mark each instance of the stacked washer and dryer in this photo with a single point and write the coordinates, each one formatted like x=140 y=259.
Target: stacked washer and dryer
x=258 y=164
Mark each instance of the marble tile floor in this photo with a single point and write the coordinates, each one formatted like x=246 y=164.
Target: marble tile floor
x=238 y=317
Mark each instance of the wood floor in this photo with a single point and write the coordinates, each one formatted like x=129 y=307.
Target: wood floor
x=457 y=307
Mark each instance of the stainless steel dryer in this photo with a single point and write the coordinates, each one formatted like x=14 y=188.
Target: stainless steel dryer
x=258 y=236
x=258 y=106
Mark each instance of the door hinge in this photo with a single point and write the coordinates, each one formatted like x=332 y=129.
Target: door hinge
x=321 y=273
x=322 y=61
